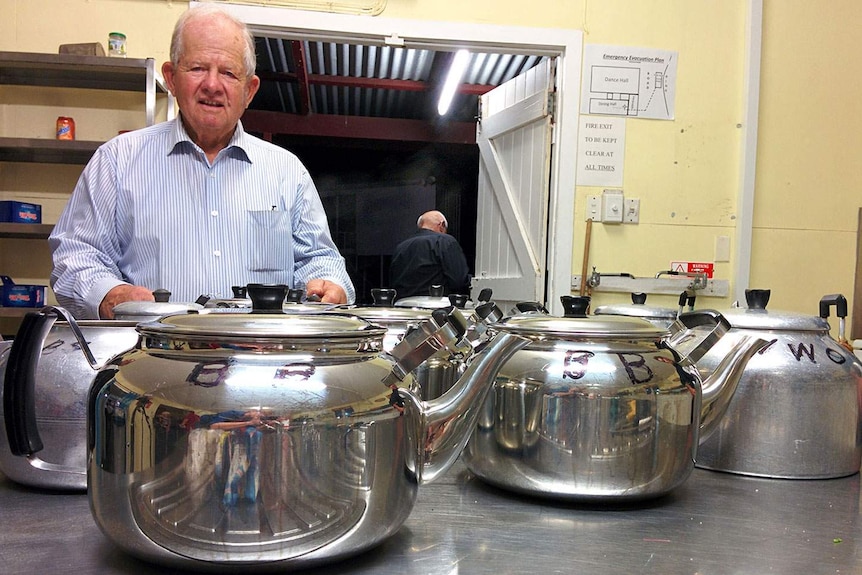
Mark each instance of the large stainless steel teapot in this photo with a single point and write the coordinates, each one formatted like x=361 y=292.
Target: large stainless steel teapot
x=601 y=407
x=797 y=413
x=270 y=440
x=51 y=397
x=46 y=388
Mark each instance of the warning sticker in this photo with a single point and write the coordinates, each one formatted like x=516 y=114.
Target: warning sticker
x=693 y=267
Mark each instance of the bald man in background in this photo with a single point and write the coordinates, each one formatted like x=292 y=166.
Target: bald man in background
x=429 y=257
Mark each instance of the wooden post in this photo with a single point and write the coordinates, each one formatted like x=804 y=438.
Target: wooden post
x=856 y=313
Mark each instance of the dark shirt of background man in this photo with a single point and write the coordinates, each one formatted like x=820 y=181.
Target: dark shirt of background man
x=429 y=257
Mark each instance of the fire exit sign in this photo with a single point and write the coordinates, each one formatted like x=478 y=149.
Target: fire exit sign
x=693 y=267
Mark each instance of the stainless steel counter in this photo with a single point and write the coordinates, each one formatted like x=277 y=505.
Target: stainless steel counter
x=715 y=523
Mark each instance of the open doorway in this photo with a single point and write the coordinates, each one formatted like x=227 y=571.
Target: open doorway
x=563 y=45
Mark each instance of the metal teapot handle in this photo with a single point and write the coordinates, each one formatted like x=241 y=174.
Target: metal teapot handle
x=840 y=303
x=19 y=387
x=687 y=321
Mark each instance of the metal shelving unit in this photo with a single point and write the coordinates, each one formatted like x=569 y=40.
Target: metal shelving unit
x=44 y=151
x=67 y=71
x=93 y=72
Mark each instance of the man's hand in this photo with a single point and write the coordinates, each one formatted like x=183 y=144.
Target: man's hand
x=328 y=291
x=121 y=293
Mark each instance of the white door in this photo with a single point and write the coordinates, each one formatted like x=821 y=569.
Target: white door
x=514 y=137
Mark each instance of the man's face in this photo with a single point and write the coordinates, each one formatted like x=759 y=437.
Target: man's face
x=209 y=82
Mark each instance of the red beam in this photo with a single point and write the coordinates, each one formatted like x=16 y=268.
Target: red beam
x=301 y=78
x=332 y=126
x=357 y=82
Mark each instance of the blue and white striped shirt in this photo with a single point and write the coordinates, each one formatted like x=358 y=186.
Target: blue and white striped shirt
x=150 y=210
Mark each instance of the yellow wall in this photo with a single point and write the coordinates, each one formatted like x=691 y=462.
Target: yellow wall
x=685 y=172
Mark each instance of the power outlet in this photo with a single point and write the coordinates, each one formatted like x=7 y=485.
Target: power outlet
x=633 y=211
x=612 y=206
x=594 y=208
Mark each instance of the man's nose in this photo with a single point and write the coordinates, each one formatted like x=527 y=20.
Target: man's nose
x=211 y=79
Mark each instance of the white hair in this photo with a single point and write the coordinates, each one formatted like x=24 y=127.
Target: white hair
x=204 y=10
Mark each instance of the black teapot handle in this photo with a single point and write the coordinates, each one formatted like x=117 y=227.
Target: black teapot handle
x=838 y=300
x=19 y=386
x=840 y=303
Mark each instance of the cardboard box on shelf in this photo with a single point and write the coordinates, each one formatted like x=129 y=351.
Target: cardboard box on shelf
x=84 y=49
x=20 y=212
x=22 y=295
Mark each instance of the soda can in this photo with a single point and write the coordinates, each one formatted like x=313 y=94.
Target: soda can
x=65 y=128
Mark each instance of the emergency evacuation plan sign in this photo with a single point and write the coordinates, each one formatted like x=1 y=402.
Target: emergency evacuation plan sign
x=630 y=82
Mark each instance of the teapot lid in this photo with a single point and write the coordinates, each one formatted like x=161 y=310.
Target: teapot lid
x=388 y=316
x=261 y=326
x=637 y=310
x=756 y=316
x=742 y=318
x=539 y=325
x=131 y=310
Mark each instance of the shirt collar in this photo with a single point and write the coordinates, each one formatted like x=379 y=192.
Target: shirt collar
x=238 y=146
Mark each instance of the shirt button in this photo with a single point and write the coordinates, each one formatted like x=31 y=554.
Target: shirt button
x=217 y=253
x=214 y=213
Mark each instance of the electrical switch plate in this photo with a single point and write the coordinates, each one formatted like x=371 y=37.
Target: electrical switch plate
x=594 y=208
x=633 y=211
x=612 y=206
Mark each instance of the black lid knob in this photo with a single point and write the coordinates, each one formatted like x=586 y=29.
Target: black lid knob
x=238 y=291
x=459 y=300
x=162 y=295
x=383 y=297
x=530 y=306
x=294 y=295
x=435 y=291
x=757 y=298
x=266 y=297
x=575 y=305
x=639 y=298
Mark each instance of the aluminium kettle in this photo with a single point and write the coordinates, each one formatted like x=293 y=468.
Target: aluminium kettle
x=270 y=441
x=797 y=413
x=52 y=399
x=602 y=407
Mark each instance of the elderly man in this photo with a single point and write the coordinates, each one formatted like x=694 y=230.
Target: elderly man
x=195 y=205
x=429 y=257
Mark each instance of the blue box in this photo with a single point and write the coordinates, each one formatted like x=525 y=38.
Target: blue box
x=23 y=295
x=20 y=212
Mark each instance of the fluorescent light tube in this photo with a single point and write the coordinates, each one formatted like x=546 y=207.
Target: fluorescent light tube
x=456 y=71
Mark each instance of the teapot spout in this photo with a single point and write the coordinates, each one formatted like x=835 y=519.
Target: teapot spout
x=720 y=385
x=447 y=422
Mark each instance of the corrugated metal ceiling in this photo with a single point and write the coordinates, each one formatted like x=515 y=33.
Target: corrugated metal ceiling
x=310 y=78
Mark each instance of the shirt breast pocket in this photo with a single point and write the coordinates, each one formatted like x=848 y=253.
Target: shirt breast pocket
x=267 y=240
